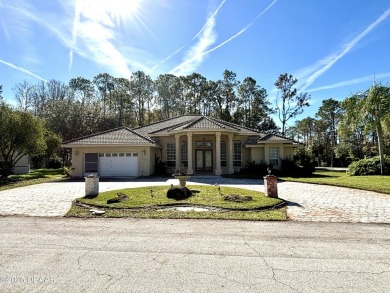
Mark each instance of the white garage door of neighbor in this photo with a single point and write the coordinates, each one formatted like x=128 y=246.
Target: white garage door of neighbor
x=118 y=164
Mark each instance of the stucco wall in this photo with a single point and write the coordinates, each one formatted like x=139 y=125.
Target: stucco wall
x=257 y=154
x=261 y=153
x=22 y=166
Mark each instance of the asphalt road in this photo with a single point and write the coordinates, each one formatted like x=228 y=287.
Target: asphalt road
x=130 y=255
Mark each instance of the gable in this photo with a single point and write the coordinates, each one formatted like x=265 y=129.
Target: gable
x=118 y=136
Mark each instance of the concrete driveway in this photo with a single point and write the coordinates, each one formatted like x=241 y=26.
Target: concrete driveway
x=306 y=202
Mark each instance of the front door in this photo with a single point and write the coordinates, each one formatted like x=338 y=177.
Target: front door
x=204 y=161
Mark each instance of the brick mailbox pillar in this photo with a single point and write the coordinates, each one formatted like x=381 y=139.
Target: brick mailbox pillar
x=271 y=186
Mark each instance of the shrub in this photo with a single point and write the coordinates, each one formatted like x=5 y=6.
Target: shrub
x=368 y=166
x=252 y=167
x=292 y=167
x=160 y=167
x=301 y=165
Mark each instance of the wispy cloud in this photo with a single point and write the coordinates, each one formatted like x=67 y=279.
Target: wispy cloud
x=210 y=22
x=311 y=73
x=211 y=18
x=351 y=82
x=195 y=54
x=22 y=70
x=93 y=36
x=193 y=61
x=75 y=29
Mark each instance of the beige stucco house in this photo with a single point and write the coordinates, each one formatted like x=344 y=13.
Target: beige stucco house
x=192 y=143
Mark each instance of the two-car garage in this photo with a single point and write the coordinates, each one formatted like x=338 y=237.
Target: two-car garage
x=122 y=164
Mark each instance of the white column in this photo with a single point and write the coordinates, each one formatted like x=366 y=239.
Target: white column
x=190 y=170
x=218 y=170
x=178 y=157
x=229 y=154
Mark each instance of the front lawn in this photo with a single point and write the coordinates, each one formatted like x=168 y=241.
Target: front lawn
x=33 y=177
x=152 y=202
x=373 y=182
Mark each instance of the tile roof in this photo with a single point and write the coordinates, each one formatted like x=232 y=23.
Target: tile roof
x=144 y=134
x=192 y=122
x=119 y=136
x=268 y=137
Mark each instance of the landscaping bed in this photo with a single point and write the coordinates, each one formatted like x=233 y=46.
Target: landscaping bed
x=205 y=202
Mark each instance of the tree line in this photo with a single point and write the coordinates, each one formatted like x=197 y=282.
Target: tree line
x=49 y=112
x=342 y=132
x=85 y=106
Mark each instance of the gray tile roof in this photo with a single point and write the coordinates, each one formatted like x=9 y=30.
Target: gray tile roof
x=119 y=136
x=145 y=134
x=192 y=122
x=268 y=137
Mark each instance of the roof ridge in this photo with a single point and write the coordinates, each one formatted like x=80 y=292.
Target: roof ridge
x=93 y=134
x=211 y=119
x=194 y=121
x=165 y=120
x=140 y=135
x=170 y=127
x=108 y=131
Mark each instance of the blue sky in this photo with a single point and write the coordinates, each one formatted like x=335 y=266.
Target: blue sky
x=333 y=47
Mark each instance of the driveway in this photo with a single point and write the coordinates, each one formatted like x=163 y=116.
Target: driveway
x=306 y=202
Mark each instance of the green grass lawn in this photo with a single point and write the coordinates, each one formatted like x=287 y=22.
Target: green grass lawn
x=373 y=182
x=34 y=177
x=152 y=202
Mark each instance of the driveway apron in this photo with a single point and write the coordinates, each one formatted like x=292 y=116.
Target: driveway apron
x=305 y=202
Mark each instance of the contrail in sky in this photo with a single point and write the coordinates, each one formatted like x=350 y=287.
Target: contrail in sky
x=350 y=82
x=22 y=70
x=177 y=68
x=210 y=22
x=75 y=29
x=166 y=59
x=209 y=19
x=332 y=59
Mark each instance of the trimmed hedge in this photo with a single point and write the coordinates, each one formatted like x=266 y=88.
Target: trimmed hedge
x=369 y=166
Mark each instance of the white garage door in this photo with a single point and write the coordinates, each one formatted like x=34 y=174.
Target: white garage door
x=118 y=164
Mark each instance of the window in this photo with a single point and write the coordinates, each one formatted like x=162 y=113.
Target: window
x=128 y=154
x=108 y=154
x=121 y=154
x=184 y=154
x=223 y=154
x=101 y=155
x=237 y=153
x=274 y=156
x=135 y=154
x=114 y=154
x=171 y=154
x=91 y=162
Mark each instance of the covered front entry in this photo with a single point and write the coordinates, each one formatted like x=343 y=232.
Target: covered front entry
x=204 y=160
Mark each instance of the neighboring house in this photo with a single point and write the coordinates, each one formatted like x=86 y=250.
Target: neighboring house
x=197 y=144
x=22 y=166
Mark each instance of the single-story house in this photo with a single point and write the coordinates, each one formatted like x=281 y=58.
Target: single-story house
x=190 y=143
